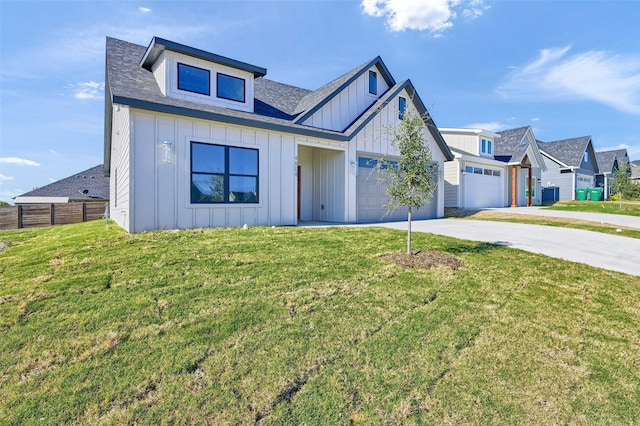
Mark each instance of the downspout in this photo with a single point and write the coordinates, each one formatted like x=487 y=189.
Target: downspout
x=529 y=204
x=514 y=185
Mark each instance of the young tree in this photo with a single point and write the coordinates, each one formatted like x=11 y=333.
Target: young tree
x=621 y=181
x=412 y=178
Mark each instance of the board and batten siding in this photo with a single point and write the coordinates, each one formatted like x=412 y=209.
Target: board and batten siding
x=120 y=180
x=343 y=109
x=162 y=190
x=564 y=181
x=452 y=184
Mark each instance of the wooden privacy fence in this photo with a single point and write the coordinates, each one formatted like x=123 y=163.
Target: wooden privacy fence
x=39 y=215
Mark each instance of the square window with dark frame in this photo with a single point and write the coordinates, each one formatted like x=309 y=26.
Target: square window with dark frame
x=373 y=83
x=194 y=79
x=223 y=174
x=229 y=87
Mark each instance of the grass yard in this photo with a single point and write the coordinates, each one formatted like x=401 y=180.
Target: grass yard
x=611 y=207
x=307 y=326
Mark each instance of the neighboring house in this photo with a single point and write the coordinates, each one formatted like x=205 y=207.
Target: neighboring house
x=635 y=171
x=518 y=149
x=474 y=179
x=88 y=186
x=194 y=139
x=607 y=166
x=571 y=164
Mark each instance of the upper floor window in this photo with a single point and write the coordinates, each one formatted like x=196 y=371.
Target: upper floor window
x=585 y=157
x=402 y=106
x=486 y=146
x=373 y=83
x=231 y=88
x=193 y=79
x=223 y=174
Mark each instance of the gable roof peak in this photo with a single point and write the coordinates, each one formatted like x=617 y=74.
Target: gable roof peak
x=316 y=99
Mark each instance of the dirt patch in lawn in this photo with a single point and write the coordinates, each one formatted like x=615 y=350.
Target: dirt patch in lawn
x=423 y=259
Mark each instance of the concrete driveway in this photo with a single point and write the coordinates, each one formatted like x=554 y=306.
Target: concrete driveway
x=612 y=219
x=613 y=252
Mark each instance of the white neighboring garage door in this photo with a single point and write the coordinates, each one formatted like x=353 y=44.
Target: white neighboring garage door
x=483 y=187
x=371 y=197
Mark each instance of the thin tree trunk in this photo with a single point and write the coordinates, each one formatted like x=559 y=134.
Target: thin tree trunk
x=409 y=232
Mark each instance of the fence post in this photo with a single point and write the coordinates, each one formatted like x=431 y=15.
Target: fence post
x=19 y=217
x=52 y=219
x=84 y=211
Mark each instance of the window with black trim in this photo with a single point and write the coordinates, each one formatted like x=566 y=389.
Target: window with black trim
x=229 y=87
x=402 y=106
x=194 y=79
x=223 y=174
x=373 y=83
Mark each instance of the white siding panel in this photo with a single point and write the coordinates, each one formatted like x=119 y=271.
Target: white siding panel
x=120 y=182
x=348 y=105
x=143 y=146
x=452 y=183
x=166 y=175
x=275 y=177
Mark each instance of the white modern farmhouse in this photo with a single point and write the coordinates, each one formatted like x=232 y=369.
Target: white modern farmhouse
x=194 y=139
x=492 y=169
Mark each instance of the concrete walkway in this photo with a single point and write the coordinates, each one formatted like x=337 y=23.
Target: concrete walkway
x=612 y=252
x=613 y=219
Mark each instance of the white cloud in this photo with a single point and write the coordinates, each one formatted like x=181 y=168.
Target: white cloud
x=534 y=119
x=18 y=161
x=610 y=79
x=422 y=15
x=88 y=90
x=492 y=126
x=144 y=9
x=53 y=151
x=4 y=178
x=474 y=9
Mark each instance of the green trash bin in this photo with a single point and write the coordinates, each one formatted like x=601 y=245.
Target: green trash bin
x=581 y=194
x=595 y=194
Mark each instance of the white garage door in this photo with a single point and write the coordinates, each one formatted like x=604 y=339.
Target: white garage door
x=483 y=187
x=371 y=197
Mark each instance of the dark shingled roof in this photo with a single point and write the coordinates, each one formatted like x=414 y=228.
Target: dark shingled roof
x=606 y=160
x=568 y=151
x=91 y=180
x=621 y=156
x=277 y=106
x=512 y=145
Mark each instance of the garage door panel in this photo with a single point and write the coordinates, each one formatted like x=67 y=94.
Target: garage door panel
x=482 y=191
x=371 y=198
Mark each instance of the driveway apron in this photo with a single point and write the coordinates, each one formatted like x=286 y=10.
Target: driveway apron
x=612 y=252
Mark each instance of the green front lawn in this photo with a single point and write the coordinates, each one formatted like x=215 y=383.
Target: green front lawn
x=307 y=326
x=611 y=207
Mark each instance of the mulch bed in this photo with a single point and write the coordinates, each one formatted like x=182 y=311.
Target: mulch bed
x=426 y=259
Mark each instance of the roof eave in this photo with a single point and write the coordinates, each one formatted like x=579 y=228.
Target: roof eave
x=158 y=45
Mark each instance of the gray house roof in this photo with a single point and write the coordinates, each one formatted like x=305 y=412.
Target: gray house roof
x=92 y=180
x=512 y=145
x=621 y=156
x=278 y=106
x=606 y=161
x=568 y=151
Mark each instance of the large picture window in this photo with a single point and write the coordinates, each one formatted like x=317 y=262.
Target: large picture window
x=193 y=79
x=223 y=174
x=229 y=87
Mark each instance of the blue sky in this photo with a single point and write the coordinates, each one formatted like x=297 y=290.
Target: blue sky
x=566 y=68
